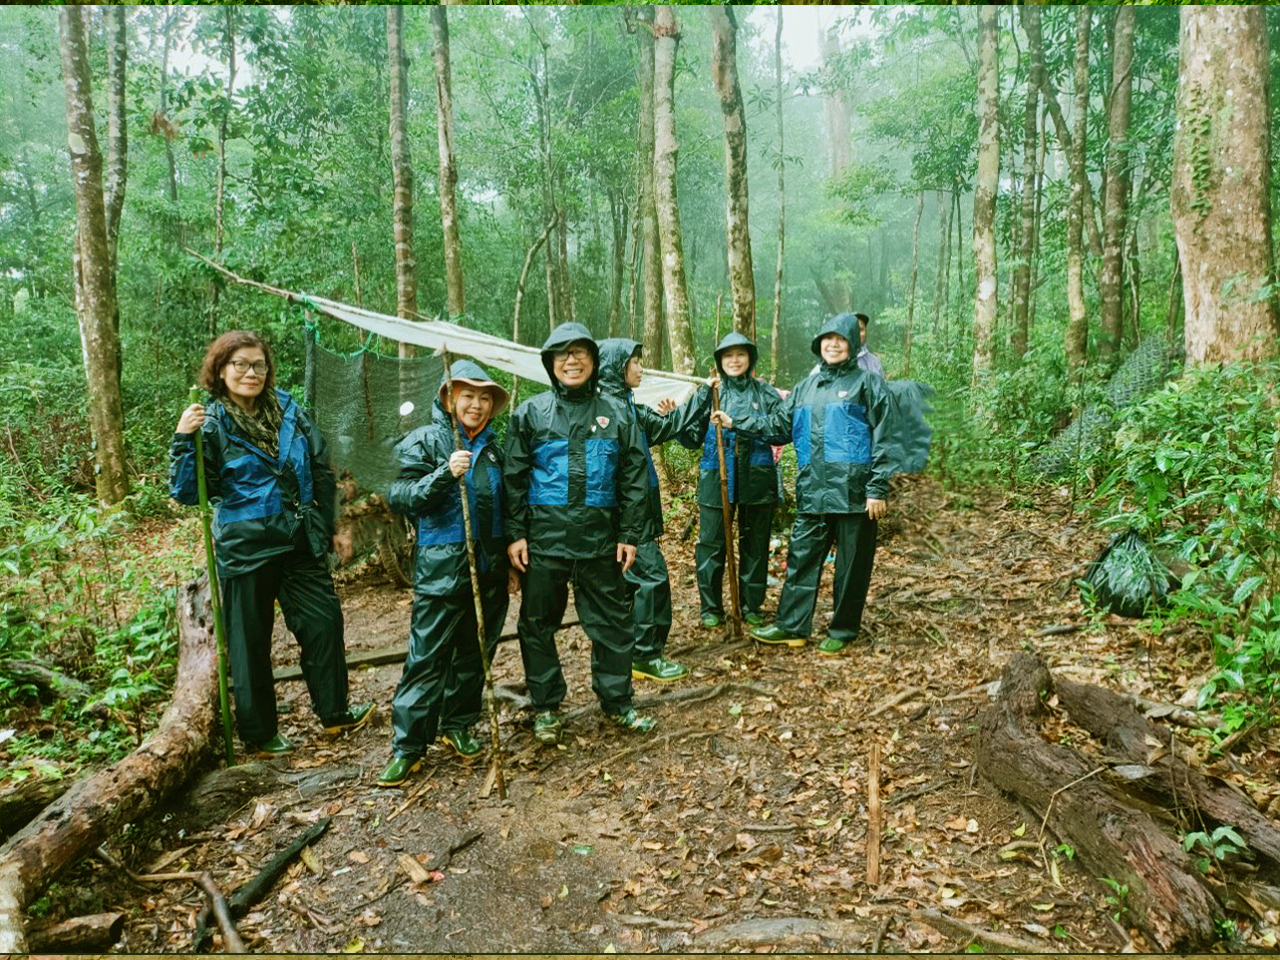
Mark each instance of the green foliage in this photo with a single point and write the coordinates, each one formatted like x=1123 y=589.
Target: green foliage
x=1223 y=842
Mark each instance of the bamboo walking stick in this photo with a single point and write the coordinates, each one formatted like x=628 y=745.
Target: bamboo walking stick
x=215 y=600
x=482 y=639
x=730 y=546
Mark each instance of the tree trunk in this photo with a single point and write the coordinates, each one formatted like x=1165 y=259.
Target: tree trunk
x=95 y=280
x=401 y=174
x=98 y=807
x=1076 y=344
x=836 y=112
x=117 y=131
x=775 y=337
x=455 y=288
x=915 y=276
x=162 y=124
x=618 y=219
x=666 y=39
x=1082 y=803
x=1026 y=238
x=566 y=288
x=1116 y=188
x=984 y=198
x=944 y=259
x=1221 y=185
x=724 y=72
x=651 y=332
x=218 y=223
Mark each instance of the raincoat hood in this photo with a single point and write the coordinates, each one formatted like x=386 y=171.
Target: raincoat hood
x=846 y=325
x=560 y=339
x=615 y=354
x=472 y=374
x=735 y=339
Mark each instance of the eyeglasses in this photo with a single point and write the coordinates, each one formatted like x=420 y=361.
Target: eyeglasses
x=244 y=366
x=578 y=353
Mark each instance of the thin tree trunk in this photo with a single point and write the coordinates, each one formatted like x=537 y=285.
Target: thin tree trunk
x=915 y=276
x=1221 y=185
x=724 y=71
x=219 y=225
x=401 y=174
x=1076 y=345
x=666 y=39
x=1026 y=239
x=1116 y=187
x=836 y=112
x=117 y=130
x=775 y=338
x=164 y=125
x=540 y=84
x=984 y=198
x=651 y=336
x=524 y=276
x=566 y=287
x=1042 y=150
x=944 y=258
x=95 y=280
x=618 y=220
x=455 y=288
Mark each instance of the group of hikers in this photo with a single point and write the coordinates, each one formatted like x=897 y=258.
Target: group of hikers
x=570 y=497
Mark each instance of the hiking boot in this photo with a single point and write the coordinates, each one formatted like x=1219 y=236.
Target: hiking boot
x=753 y=619
x=277 y=746
x=356 y=717
x=659 y=668
x=710 y=620
x=463 y=743
x=635 y=722
x=775 y=634
x=832 y=647
x=398 y=771
x=547 y=727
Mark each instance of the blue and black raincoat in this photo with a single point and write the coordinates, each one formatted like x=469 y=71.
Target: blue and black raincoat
x=262 y=504
x=575 y=477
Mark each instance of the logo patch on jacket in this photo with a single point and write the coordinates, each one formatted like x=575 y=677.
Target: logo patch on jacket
x=842 y=394
x=603 y=421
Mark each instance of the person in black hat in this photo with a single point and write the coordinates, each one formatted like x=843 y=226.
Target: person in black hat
x=839 y=419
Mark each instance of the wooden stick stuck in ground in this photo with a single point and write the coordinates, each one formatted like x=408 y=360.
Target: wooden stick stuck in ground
x=873 y=816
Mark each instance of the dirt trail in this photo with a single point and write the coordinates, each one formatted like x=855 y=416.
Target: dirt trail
x=741 y=822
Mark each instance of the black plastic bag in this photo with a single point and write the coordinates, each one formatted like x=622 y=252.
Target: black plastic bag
x=1127 y=577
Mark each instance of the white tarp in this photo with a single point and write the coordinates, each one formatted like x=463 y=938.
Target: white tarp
x=524 y=362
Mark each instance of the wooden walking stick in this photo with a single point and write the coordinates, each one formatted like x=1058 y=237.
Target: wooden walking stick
x=730 y=546
x=494 y=734
x=215 y=600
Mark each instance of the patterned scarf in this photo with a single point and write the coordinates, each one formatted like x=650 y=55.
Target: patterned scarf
x=262 y=427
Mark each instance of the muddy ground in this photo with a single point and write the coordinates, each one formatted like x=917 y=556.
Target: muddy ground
x=741 y=822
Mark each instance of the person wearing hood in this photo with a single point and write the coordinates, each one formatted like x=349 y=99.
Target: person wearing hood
x=440 y=686
x=752 y=483
x=267 y=470
x=839 y=419
x=866 y=359
x=621 y=371
x=575 y=484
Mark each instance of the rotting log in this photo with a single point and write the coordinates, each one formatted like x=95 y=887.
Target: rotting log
x=79 y=934
x=96 y=808
x=19 y=806
x=49 y=680
x=1167 y=898
x=1110 y=717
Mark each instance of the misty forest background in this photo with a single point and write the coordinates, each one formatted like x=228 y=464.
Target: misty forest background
x=1019 y=198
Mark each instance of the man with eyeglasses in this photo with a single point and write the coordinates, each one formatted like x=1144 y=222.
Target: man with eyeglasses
x=574 y=484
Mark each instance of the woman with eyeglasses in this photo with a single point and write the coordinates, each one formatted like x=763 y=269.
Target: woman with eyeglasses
x=267 y=470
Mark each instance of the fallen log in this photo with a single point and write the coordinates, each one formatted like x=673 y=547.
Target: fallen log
x=1110 y=717
x=19 y=806
x=97 y=807
x=51 y=681
x=79 y=934
x=1166 y=896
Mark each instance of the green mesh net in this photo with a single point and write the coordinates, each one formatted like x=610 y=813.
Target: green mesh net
x=1144 y=372
x=365 y=403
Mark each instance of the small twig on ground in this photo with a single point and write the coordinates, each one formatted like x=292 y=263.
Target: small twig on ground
x=958 y=928
x=222 y=913
x=873 y=816
x=413 y=797
x=1066 y=786
x=880 y=932
x=1054 y=629
x=653 y=743
x=894 y=700
x=637 y=921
